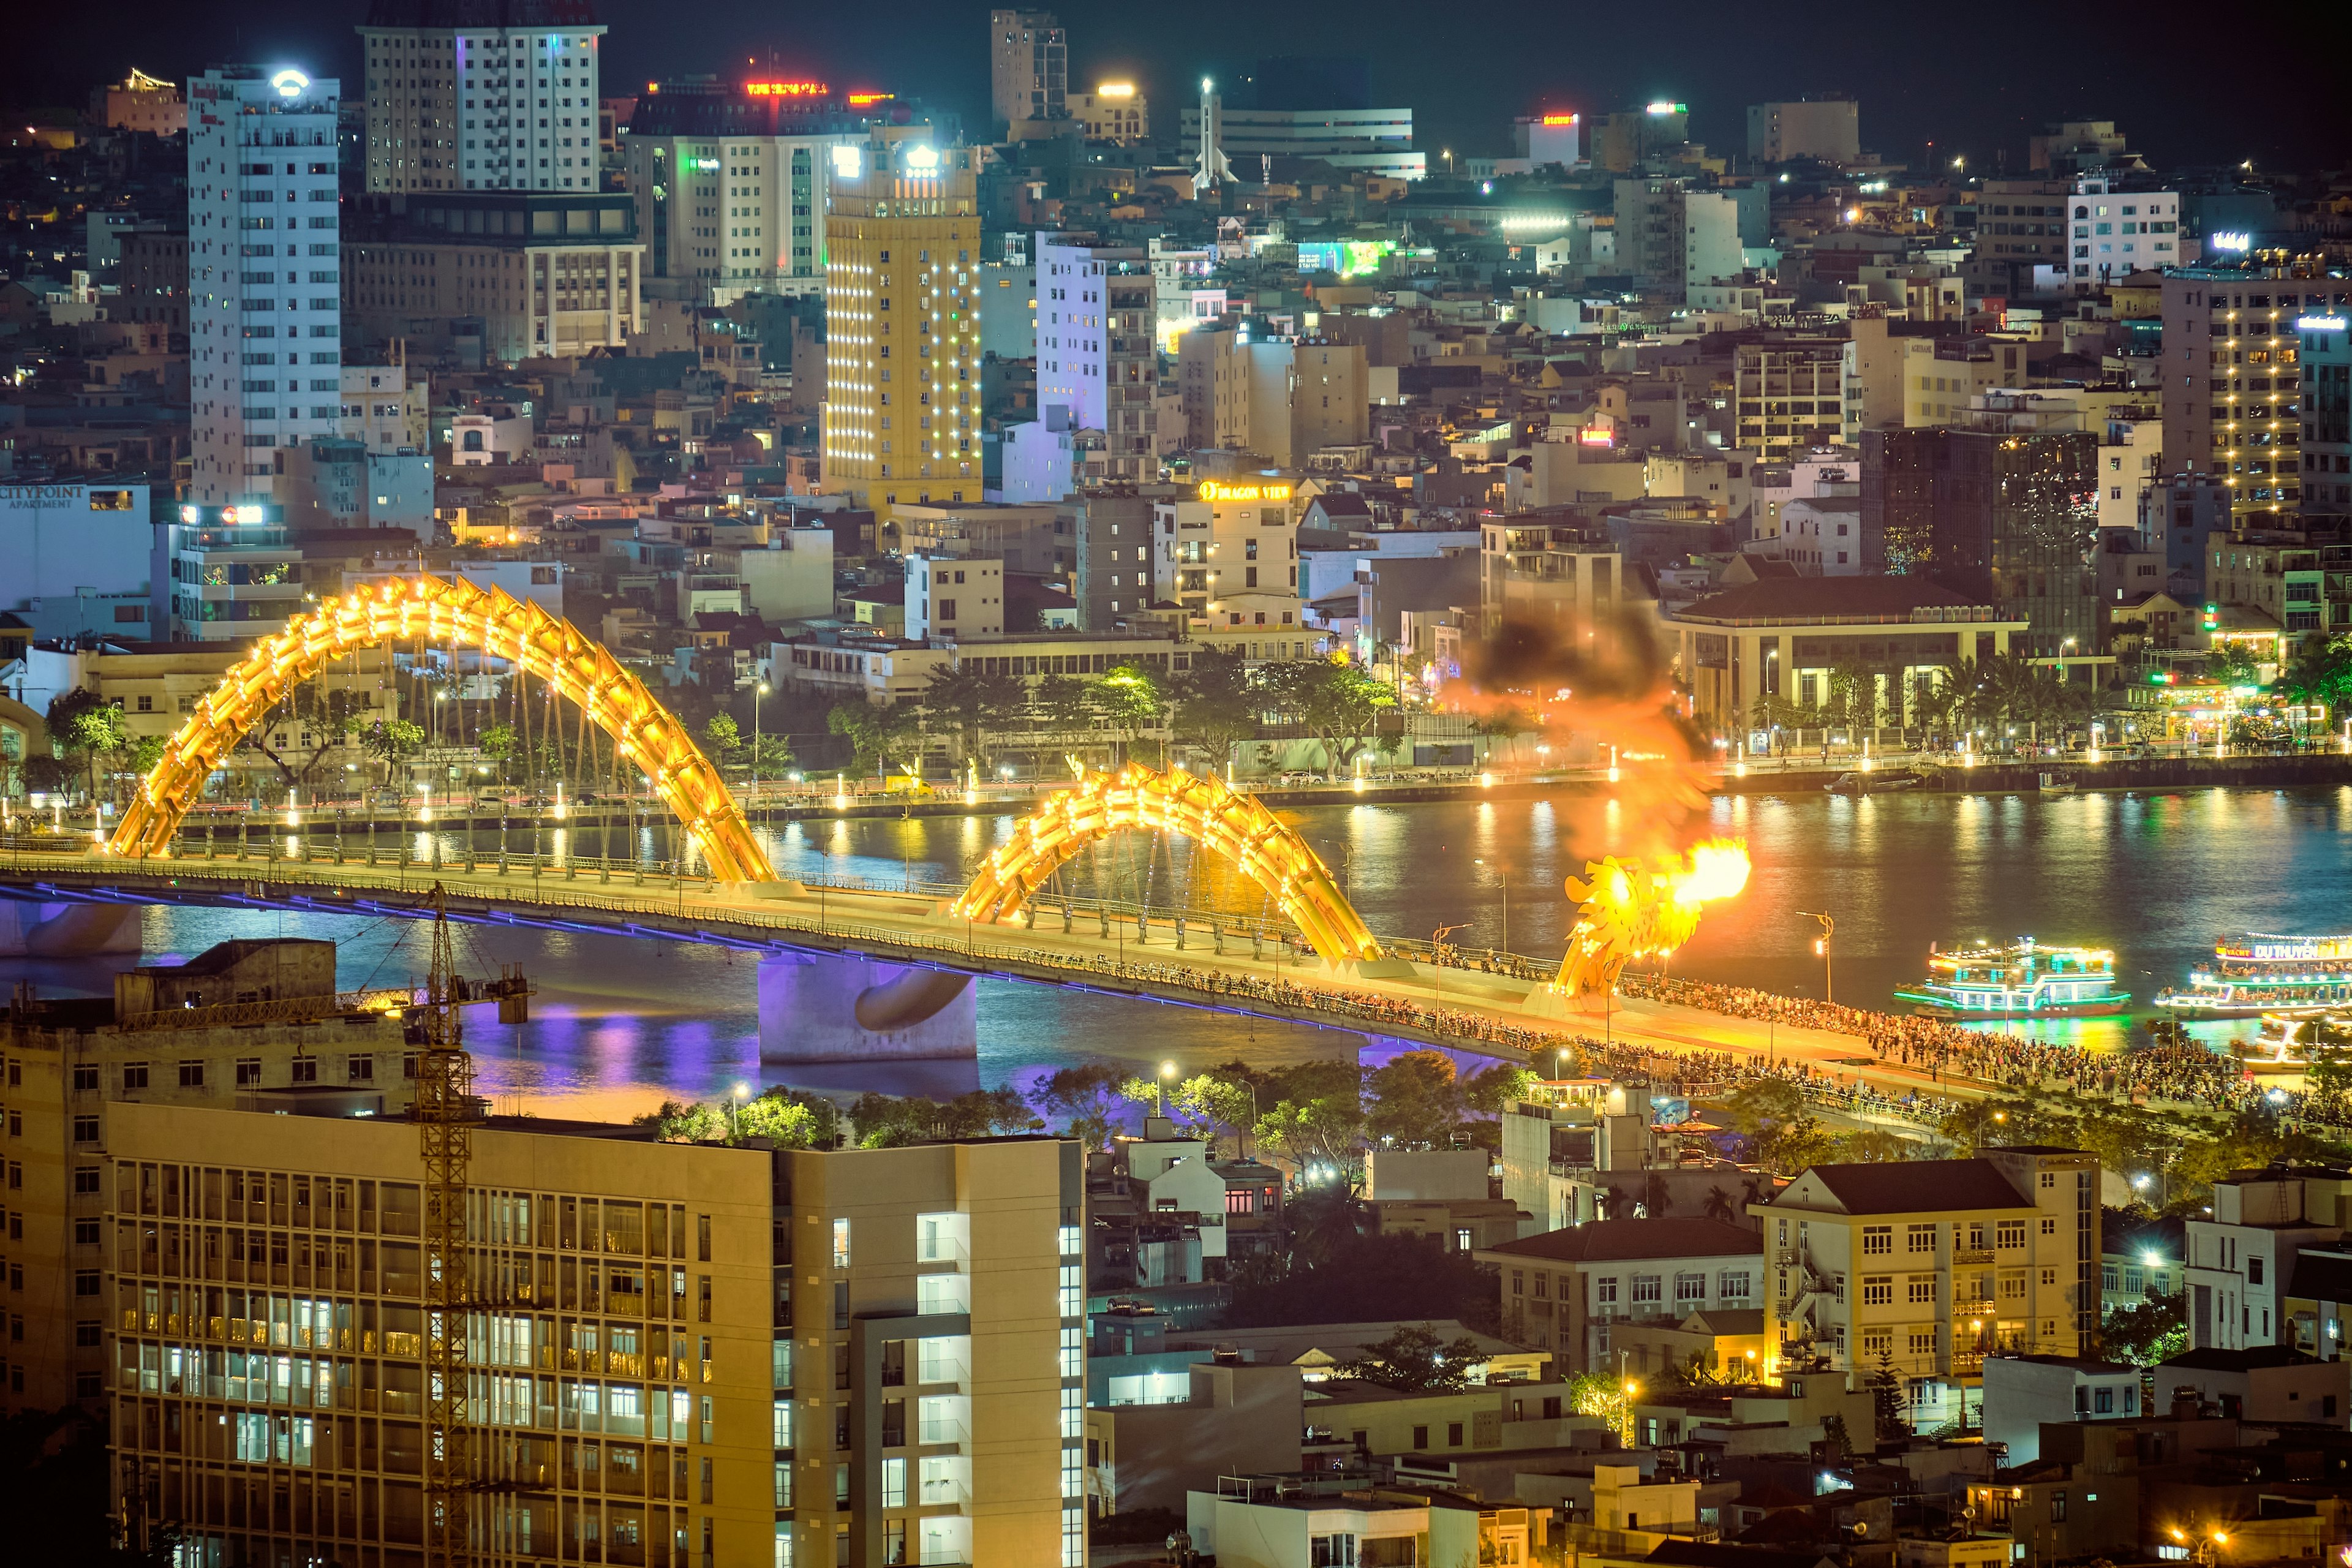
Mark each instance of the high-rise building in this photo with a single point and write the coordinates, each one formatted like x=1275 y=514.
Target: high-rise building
x=1789 y=393
x=481 y=95
x=1028 y=67
x=501 y=275
x=1229 y=554
x=2021 y=225
x=2178 y=515
x=2116 y=233
x=1554 y=138
x=1674 y=237
x=1284 y=399
x=901 y=418
x=1363 y=141
x=1098 y=349
x=2002 y=517
x=2325 y=332
x=141 y=102
x=1114 y=111
x=1622 y=142
x=2076 y=145
x=2232 y=379
x=677 y=1355
x=1113 y=581
x=1826 y=128
x=265 y=297
x=169 y=1038
x=732 y=181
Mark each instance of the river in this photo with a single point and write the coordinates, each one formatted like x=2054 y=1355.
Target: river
x=621 y=1023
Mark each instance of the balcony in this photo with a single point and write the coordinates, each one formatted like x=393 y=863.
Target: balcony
x=1974 y=1254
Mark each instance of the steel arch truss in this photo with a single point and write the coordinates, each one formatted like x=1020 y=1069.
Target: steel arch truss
x=1200 y=808
x=446 y=613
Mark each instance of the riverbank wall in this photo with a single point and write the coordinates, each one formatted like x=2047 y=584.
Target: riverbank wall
x=1988 y=777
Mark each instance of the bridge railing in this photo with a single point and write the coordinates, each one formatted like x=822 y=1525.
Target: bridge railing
x=1106 y=919
x=975 y=946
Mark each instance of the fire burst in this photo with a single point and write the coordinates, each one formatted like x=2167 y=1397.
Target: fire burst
x=1629 y=910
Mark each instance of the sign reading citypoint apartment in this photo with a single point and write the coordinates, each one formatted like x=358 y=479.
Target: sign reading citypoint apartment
x=1212 y=491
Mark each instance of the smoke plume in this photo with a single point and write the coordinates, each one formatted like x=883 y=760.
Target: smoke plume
x=1605 y=682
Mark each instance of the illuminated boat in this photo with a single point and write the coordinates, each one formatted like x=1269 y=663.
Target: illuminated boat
x=2297 y=976
x=2279 y=1049
x=2023 y=979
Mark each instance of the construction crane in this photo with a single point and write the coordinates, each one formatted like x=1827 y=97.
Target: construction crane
x=446 y=1112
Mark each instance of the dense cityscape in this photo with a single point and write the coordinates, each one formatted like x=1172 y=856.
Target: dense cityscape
x=958 y=806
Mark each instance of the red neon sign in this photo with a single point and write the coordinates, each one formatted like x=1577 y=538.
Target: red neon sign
x=1559 y=119
x=786 y=88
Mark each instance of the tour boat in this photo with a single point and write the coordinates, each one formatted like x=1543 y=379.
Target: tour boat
x=2023 y=979
x=2052 y=784
x=2295 y=976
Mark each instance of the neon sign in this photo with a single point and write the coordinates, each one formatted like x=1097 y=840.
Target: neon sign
x=847 y=161
x=1559 y=118
x=2232 y=239
x=786 y=88
x=290 y=83
x=869 y=99
x=1669 y=108
x=1116 y=89
x=1212 y=491
x=1594 y=435
x=2319 y=323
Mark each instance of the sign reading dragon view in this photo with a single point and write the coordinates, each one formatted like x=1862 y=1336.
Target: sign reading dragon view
x=1212 y=491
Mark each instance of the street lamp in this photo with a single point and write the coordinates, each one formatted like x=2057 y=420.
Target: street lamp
x=757 y=692
x=1505 y=873
x=1167 y=1072
x=734 y=1110
x=1822 y=946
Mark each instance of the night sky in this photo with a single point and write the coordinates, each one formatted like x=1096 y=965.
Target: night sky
x=2188 y=85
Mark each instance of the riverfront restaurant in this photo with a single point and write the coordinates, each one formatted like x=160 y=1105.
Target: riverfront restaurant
x=1785 y=634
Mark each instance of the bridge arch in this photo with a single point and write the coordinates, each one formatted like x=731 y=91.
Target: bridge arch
x=1200 y=807
x=447 y=613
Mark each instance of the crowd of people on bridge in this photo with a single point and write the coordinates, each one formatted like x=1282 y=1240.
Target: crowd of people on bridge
x=2169 y=1072
x=2176 y=1072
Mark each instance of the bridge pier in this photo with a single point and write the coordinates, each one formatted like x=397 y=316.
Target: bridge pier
x=30 y=929
x=823 y=1007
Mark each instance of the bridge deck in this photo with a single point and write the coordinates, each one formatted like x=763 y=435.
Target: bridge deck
x=1464 y=1010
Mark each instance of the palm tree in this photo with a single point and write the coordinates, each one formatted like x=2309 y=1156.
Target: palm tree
x=1718 y=1203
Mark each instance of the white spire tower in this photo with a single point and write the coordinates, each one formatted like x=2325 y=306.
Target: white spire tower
x=1210 y=167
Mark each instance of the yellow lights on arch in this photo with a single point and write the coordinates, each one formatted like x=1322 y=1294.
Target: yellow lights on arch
x=1200 y=808
x=446 y=613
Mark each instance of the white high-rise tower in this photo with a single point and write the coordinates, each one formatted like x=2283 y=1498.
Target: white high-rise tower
x=1211 y=168
x=265 y=295
x=481 y=95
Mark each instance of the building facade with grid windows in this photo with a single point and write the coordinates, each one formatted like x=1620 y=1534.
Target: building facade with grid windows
x=679 y=1356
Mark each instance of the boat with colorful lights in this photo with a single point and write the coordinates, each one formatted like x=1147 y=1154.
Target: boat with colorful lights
x=2024 y=980
x=2260 y=972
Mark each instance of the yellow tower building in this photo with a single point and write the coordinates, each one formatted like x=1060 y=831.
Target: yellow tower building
x=902 y=328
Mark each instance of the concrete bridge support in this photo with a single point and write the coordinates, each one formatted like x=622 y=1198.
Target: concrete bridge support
x=30 y=929
x=816 y=1007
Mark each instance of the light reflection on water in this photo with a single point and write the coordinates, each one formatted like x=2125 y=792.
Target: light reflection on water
x=619 y=1022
